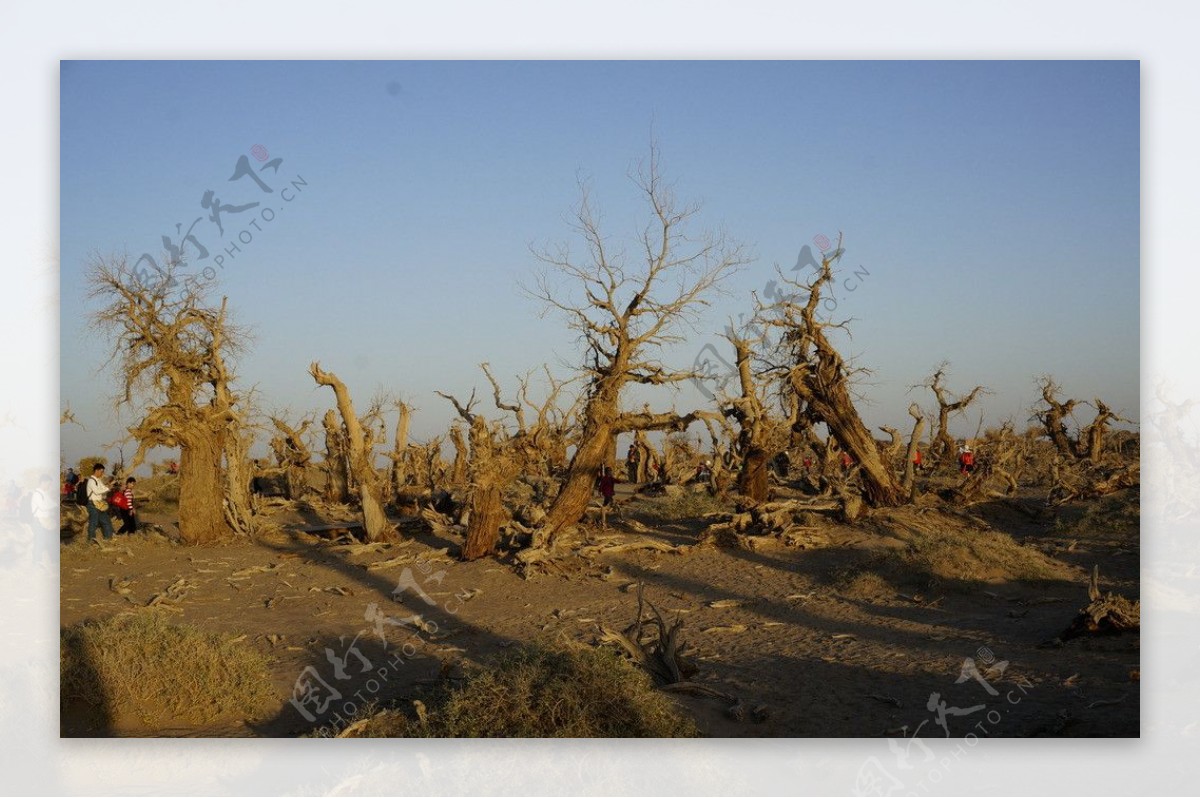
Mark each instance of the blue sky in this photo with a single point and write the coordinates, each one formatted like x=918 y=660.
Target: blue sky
x=992 y=209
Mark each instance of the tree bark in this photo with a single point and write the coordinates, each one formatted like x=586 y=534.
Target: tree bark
x=487 y=510
x=458 y=471
x=370 y=488
x=239 y=502
x=820 y=379
x=909 y=483
x=201 y=494
x=400 y=448
x=750 y=414
x=336 y=488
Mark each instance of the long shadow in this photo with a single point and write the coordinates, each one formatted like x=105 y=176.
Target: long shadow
x=390 y=634
x=791 y=614
x=982 y=608
x=808 y=697
x=85 y=709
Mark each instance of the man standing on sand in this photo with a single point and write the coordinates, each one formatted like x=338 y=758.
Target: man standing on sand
x=631 y=463
x=97 y=506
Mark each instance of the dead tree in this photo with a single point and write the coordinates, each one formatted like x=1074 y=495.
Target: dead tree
x=399 y=455
x=1106 y=613
x=172 y=350
x=909 y=482
x=949 y=405
x=537 y=447
x=487 y=474
x=240 y=503
x=1088 y=444
x=625 y=316
x=462 y=459
x=361 y=454
x=293 y=454
x=751 y=415
x=336 y=463
x=1091 y=437
x=1053 y=417
x=820 y=378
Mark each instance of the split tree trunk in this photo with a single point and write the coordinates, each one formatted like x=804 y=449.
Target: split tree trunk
x=239 y=502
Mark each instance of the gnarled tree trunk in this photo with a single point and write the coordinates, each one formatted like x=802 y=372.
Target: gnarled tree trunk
x=201 y=488
x=909 y=482
x=487 y=511
x=336 y=487
x=370 y=484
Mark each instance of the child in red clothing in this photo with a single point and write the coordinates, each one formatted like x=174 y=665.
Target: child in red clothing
x=122 y=500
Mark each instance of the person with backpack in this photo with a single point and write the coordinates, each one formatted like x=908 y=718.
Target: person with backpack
x=122 y=500
x=96 y=500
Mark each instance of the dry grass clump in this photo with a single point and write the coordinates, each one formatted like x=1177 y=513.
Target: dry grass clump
x=857 y=580
x=977 y=555
x=543 y=692
x=685 y=506
x=950 y=551
x=1116 y=517
x=163 y=673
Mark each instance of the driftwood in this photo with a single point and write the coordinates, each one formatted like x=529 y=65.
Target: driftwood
x=660 y=655
x=1106 y=613
x=779 y=519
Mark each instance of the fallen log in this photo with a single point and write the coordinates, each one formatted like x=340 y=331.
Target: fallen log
x=1106 y=613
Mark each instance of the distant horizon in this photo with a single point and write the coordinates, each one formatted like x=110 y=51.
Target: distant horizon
x=990 y=214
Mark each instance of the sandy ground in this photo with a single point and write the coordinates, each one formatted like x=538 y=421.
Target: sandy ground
x=768 y=628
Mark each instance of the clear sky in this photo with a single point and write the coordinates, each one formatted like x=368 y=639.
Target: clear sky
x=990 y=209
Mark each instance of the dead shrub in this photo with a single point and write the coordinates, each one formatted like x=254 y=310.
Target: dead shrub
x=539 y=691
x=944 y=551
x=684 y=507
x=163 y=673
